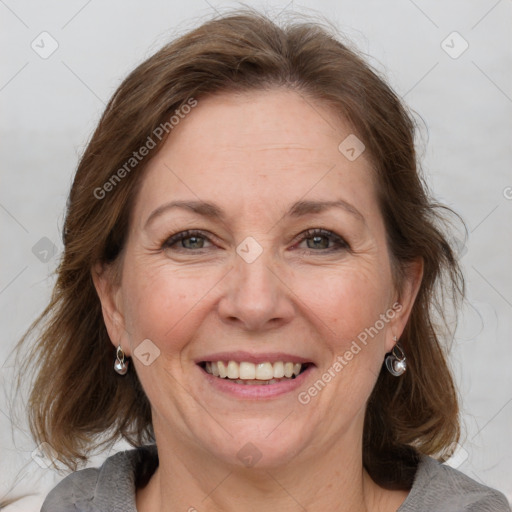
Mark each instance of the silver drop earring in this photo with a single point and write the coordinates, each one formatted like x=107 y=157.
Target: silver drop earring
x=120 y=365
x=396 y=361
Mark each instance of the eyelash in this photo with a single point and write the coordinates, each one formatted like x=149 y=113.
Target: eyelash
x=341 y=244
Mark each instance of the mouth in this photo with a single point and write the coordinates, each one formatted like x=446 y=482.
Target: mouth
x=247 y=373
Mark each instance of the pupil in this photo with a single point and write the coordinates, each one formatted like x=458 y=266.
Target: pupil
x=317 y=240
x=194 y=240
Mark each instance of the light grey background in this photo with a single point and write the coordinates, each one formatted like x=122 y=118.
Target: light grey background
x=49 y=108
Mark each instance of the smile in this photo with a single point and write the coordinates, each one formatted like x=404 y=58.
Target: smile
x=248 y=373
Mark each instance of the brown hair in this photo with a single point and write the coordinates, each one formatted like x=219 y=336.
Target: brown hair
x=78 y=402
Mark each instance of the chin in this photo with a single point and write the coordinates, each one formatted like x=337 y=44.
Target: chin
x=259 y=445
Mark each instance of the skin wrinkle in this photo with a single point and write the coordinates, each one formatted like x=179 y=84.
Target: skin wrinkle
x=309 y=304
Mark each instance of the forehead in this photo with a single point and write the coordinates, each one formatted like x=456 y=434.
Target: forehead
x=271 y=121
x=255 y=150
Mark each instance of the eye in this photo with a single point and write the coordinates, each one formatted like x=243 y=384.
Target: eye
x=190 y=239
x=318 y=240
x=323 y=240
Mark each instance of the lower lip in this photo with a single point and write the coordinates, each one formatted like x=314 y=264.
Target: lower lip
x=261 y=391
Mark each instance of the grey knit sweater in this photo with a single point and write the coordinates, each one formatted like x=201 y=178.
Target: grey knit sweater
x=111 y=488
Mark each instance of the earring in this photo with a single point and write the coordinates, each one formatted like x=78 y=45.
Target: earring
x=396 y=361
x=120 y=365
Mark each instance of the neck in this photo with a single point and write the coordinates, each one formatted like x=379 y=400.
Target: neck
x=331 y=480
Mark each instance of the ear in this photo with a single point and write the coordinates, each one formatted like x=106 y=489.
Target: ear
x=404 y=300
x=109 y=294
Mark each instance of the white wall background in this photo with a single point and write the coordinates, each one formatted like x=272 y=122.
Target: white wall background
x=49 y=108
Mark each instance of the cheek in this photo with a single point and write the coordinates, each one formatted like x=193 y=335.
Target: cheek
x=351 y=310
x=163 y=303
x=346 y=308
x=346 y=300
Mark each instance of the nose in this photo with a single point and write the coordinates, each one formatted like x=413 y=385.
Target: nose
x=257 y=296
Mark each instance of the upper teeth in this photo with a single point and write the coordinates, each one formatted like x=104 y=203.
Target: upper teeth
x=249 y=371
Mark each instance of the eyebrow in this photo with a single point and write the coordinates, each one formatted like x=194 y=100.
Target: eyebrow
x=298 y=209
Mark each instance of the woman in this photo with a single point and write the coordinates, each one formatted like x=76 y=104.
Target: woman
x=248 y=288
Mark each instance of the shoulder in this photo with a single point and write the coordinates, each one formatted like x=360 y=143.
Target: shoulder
x=440 y=487
x=110 y=487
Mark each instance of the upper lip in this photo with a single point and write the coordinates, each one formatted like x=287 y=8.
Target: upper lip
x=263 y=357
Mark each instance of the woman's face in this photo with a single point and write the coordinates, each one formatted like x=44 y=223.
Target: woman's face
x=268 y=274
